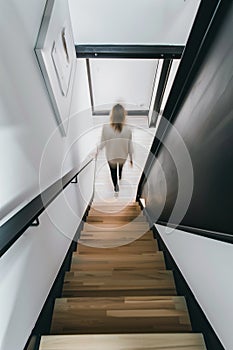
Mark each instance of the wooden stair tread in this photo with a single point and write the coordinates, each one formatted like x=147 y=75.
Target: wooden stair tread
x=117 y=234
x=114 y=238
x=103 y=262
x=116 y=206
x=138 y=247
x=155 y=256
x=115 y=218
x=133 y=266
x=123 y=226
x=127 y=303
x=118 y=272
x=120 y=315
x=124 y=342
x=117 y=282
x=115 y=231
x=119 y=202
x=115 y=211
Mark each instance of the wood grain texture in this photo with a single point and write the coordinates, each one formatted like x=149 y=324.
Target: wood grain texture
x=115 y=211
x=136 y=247
x=115 y=282
x=118 y=290
x=120 y=226
x=114 y=238
x=120 y=315
x=124 y=342
x=84 y=262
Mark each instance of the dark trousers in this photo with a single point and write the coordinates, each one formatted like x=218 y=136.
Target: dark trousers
x=113 y=170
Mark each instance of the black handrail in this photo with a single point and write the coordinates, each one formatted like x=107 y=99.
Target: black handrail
x=217 y=236
x=13 y=228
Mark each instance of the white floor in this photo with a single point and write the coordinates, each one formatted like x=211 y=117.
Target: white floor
x=142 y=139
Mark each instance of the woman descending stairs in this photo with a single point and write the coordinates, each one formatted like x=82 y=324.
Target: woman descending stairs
x=118 y=293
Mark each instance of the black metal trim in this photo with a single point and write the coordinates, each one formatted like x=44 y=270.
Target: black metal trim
x=129 y=51
x=161 y=89
x=162 y=83
x=142 y=112
x=153 y=88
x=90 y=84
x=75 y=180
x=217 y=236
x=35 y=223
x=12 y=229
x=209 y=16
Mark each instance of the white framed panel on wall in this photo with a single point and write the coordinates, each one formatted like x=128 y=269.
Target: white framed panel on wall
x=56 y=55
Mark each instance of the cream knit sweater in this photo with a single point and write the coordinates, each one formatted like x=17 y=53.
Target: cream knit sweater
x=118 y=145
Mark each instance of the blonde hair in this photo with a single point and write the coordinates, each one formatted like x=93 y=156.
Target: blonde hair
x=117 y=117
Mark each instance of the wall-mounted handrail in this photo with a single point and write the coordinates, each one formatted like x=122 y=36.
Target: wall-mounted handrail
x=217 y=236
x=13 y=228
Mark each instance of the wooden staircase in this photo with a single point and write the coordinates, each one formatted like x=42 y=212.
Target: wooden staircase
x=118 y=293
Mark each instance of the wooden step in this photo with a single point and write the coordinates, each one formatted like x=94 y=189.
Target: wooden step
x=122 y=274
x=120 y=315
x=115 y=211
x=122 y=226
x=118 y=283
x=115 y=238
x=116 y=218
x=136 y=247
x=83 y=262
x=115 y=234
x=115 y=205
x=182 y=341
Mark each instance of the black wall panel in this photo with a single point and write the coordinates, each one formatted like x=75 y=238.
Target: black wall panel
x=205 y=122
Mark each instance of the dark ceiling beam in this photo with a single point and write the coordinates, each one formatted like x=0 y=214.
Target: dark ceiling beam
x=129 y=51
x=134 y=112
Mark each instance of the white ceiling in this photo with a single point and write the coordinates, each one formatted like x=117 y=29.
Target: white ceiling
x=151 y=22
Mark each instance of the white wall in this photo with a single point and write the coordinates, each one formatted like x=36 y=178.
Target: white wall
x=206 y=265
x=34 y=155
x=132 y=22
x=126 y=81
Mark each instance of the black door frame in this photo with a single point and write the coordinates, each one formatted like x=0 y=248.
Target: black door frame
x=166 y=52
